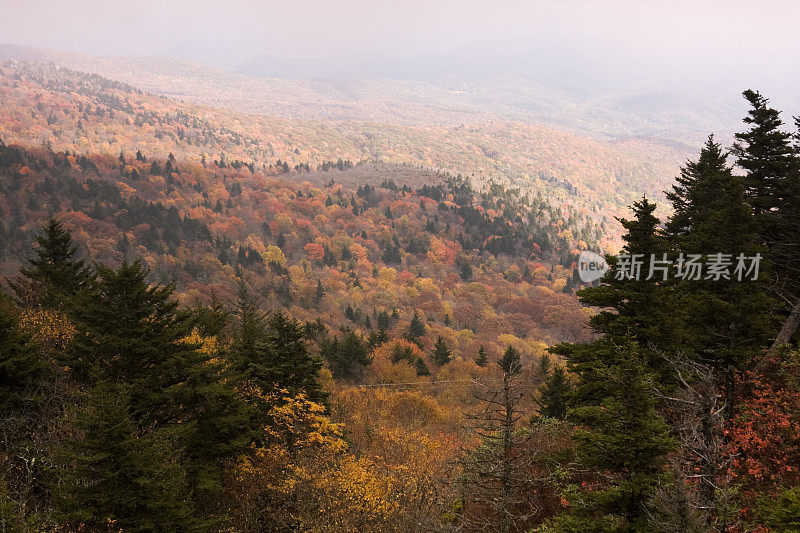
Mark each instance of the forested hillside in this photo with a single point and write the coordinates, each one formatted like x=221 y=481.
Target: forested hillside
x=387 y=289
x=446 y=250
x=68 y=110
x=214 y=322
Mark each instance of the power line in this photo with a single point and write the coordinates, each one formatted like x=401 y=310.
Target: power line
x=411 y=383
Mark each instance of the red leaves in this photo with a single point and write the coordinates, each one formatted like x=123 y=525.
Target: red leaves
x=765 y=435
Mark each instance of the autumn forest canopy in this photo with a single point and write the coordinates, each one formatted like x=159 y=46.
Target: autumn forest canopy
x=213 y=321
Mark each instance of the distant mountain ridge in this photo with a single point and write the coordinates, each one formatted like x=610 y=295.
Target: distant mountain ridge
x=274 y=89
x=598 y=177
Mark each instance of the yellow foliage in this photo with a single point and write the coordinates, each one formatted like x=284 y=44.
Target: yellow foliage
x=304 y=478
x=426 y=284
x=208 y=345
x=50 y=328
x=387 y=274
x=447 y=309
x=559 y=284
x=273 y=254
x=513 y=274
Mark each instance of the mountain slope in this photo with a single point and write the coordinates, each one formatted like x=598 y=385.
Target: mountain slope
x=439 y=98
x=68 y=110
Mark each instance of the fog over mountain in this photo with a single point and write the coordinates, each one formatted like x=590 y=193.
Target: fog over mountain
x=668 y=69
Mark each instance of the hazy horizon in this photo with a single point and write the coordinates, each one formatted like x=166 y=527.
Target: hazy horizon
x=716 y=45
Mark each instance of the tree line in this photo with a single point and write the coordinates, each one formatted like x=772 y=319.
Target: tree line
x=667 y=403
x=132 y=424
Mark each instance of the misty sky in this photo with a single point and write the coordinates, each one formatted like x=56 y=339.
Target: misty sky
x=715 y=41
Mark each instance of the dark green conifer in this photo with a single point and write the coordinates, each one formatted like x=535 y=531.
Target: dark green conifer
x=625 y=440
x=116 y=475
x=347 y=356
x=441 y=352
x=22 y=370
x=55 y=274
x=766 y=154
x=421 y=367
x=553 y=394
x=721 y=320
x=482 y=359
x=131 y=334
x=274 y=356
x=416 y=329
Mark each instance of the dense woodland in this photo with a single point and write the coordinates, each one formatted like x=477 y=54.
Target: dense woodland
x=49 y=105
x=206 y=340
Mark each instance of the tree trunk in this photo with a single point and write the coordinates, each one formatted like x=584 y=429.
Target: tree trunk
x=785 y=335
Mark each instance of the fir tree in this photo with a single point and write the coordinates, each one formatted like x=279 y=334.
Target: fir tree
x=348 y=356
x=383 y=321
x=553 y=394
x=630 y=303
x=376 y=338
x=22 y=370
x=766 y=154
x=131 y=334
x=416 y=329
x=722 y=322
x=631 y=306
x=55 y=274
x=772 y=186
x=625 y=440
x=250 y=327
x=482 y=359
x=211 y=320
x=116 y=475
x=441 y=352
x=277 y=358
x=421 y=368
x=510 y=363
x=319 y=293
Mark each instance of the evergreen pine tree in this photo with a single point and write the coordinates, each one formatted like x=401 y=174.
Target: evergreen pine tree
x=115 y=475
x=131 y=334
x=625 y=440
x=211 y=320
x=421 y=368
x=772 y=186
x=319 y=293
x=721 y=321
x=276 y=357
x=766 y=154
x=553 y=394
x=510 y=363
x=55 y=274
x=347 y=356
x=482 y=359
x=441 y=352
x=250 y=327
x=630 y=306
x=22 y=370
x=383 y=321
x=416 y=329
